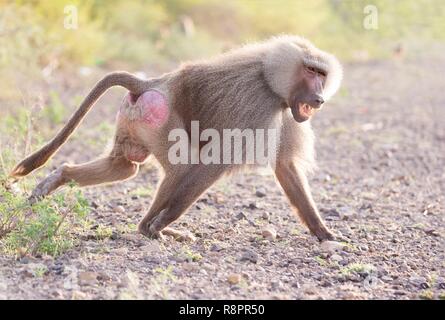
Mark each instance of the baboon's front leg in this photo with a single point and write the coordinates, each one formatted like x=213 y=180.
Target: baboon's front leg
x=296 y=187
x=103 y=170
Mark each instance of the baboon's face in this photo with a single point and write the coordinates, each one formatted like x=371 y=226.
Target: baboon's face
x=307 y=96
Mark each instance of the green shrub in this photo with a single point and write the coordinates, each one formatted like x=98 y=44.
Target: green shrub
x=45 y=227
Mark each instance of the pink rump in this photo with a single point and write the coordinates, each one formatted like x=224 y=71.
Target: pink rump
x=155 y=108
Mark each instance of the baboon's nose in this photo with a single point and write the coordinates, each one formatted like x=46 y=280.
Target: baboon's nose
x=318 y=101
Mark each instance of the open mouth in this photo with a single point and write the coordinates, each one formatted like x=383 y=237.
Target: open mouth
x=306 y=110
x=302 y=112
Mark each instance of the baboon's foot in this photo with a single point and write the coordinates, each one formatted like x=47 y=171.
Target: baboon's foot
x=181 y=236
x=49 y=184
x=148 y=231
x=338 y=237
x=322 y=233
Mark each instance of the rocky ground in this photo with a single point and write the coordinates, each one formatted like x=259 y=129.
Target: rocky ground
x=380 y=183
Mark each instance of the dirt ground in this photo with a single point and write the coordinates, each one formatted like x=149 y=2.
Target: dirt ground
x=380 y=183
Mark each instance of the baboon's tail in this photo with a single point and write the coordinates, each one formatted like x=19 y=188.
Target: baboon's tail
x=40 y=157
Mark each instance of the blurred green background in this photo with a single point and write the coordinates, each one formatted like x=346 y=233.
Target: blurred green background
x=160 y=32
x=154 y=35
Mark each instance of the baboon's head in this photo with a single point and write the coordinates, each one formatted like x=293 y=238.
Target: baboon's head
x=303 y=75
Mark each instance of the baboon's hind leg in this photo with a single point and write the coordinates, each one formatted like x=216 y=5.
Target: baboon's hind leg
x=103 y=170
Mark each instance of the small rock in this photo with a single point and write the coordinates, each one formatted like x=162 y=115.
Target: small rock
x=326 y=283
x=24 y=260
x=119 y=209
x=387 y=278
x=346 y=213
x=234 y=278
x=114 y=235
x=120 y=251
x=94 y=204
x=150 y=248
x=336 y=257
x=250 y=256
x=441 y=285
x=419 y=282
x=79 y=295
x=253 y=205
x=57 y=268
x=189 y=267
x=260 y=192
x=204 y=272
x=330 y=214
x=332 y=246
x=240 y=216
x=103 y=276
x=432 y=232
x=216 y=248
x=131 y=237
x=269 y=233
x=87 y=278
x=208 y=267
x=266 y=215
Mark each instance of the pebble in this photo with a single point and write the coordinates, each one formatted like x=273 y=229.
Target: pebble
x=57 y=268
x=253 y=205
x=103 y=276
x=150 y=248
x=209 y=267
x=266 y=215
x=269 y=233
x=240 y=216
x=260 y=192
x=78 y=295
x=87 y=278
x=119 y=209
x=24 y=260
x=234 y=278
x=347 y=213
x=189 y=267
x=332 y=246
x=387 y=278
x=250 y=256
x=216 y=248
x=336 y=257
x=419 y=282
x=114 y=235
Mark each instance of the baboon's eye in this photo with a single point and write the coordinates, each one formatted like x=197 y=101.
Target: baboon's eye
x=313 y=70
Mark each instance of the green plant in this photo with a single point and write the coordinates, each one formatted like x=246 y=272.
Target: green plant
x=189 y=255
x=160 y=280
x=103 y=232
x=41 y=228
x=55 y=111
x=357 y=268
x=143 y=192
